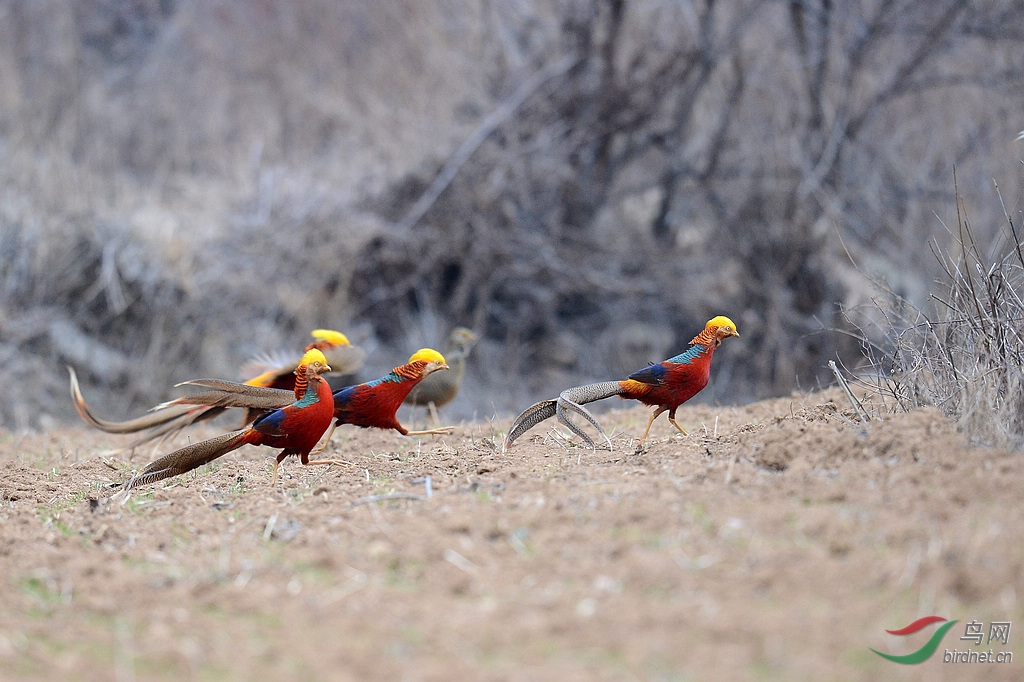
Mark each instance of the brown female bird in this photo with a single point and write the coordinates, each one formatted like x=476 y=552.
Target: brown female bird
x=665 y=386
x=440 y=388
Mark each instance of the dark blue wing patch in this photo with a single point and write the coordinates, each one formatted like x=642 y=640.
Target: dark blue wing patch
x=270 y=423
x=343 y=395
x=651 y=374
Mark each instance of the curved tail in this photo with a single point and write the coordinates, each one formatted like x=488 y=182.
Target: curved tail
x=132 y=425
x=570 y=400
x=160 y=423
x=188 y=458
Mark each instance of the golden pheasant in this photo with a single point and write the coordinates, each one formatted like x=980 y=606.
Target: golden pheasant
x=441 y=388
x=665 y=385
x=271 y=372
x=371 y=404
x=297 y=428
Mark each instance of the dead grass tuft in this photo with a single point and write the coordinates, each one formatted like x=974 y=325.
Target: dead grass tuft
x=965 y=353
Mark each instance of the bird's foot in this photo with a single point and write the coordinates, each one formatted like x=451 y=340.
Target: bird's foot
x=328 y=462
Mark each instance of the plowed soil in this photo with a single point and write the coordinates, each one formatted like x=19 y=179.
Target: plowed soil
x=777 y=541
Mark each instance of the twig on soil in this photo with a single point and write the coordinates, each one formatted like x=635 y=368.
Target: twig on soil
x=427 y=483
x=269 y=529
x=849 y=394
x=384 y=498
x=732 y=463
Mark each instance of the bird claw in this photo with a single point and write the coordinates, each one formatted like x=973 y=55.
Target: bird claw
x=328 y=462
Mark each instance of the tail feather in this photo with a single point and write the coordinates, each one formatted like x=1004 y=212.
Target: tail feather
x=529 y=418
x=188 y=458
x=228 y=386
x=132 y=425
x=582 y=395
x=570 y=400
x=174 y=425
x=252 y=396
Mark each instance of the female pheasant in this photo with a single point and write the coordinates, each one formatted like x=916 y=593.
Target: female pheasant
x=296 y=428
x=440 y=389
x=271 y=372
x=371 y=404
x=665 y=385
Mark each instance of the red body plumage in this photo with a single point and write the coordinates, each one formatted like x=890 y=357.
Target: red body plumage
x=299 y=426
x=674 y=381
x=375 y=403
x=296 y=428
x=665 y=385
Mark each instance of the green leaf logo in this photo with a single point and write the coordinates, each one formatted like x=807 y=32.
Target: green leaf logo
x=928 y=649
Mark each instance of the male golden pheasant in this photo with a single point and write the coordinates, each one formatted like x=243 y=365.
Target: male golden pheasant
x=441 y=388
x=342 y=356
x=371 y=404
x=665 y=385
x=296 y=428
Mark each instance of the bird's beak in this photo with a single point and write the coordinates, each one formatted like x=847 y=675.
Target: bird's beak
x=434 y=367
x=327 y=368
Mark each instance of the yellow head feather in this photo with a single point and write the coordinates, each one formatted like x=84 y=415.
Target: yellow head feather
x=312 y=356
x=331 y=336
x=722 y=322
x=427 y=355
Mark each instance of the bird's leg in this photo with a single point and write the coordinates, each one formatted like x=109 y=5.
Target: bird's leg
x=672 y=418
x=654 y=415
x=432 y=409
x=304 y=457
x=325 y=439
x=277 y=463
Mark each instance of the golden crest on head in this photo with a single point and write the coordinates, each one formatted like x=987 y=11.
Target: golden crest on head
x=724 y=323
x=331 y=337
x=427 y=355
x=314 y=355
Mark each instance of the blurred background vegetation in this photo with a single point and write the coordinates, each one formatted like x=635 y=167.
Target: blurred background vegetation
x=185 y=184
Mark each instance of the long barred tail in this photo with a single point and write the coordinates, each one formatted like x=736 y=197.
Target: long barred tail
x=232 y=394
x=188 y=458
x=530 y=417
x=132 y=425
x=570 y=400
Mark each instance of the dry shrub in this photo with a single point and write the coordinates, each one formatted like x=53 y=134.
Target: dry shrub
x=964 y=353
x=96 y=297
x=190 y=183
x=695 y=161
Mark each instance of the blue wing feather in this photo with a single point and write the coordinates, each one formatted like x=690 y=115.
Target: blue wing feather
x=654 y=374
x=343 y=395
x=270 y=423
x=651 y=374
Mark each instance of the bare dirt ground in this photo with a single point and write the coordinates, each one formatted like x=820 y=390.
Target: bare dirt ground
x=778 y=541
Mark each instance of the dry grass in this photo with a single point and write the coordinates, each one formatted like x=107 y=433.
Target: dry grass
x=185 y=184
x=965 y=353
